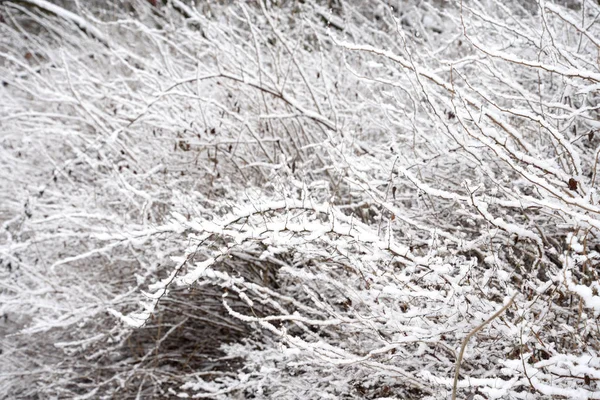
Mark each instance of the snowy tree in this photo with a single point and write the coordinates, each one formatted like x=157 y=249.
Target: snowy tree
x=292 y=199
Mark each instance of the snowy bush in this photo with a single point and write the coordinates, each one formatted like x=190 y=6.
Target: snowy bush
x=296 y=200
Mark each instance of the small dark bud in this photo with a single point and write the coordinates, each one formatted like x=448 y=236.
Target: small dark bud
x=572 y=184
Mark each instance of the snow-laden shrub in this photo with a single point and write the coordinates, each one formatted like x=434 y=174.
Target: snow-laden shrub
x=299 y=199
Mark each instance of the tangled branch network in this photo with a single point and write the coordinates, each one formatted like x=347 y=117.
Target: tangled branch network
x=288 y=199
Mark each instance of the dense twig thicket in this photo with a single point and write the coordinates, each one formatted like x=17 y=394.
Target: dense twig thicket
x=300 y=200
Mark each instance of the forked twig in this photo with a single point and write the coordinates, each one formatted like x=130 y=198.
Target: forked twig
x=469 y=336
